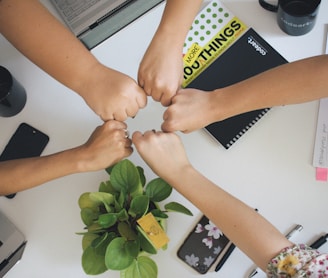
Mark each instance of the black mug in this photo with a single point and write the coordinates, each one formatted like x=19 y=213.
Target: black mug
x=12 y=94
x=294 y=17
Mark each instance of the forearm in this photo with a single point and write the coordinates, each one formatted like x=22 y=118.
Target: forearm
x=177 y=18
x=46 y=42
x=22 y=174
x=255 y=236
x=292 y=83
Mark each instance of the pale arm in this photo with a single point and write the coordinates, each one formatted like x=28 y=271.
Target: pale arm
x=51 y=46
x=160 y=72
x=301 y=81
x=254 y=235
x=296 y=82
x=106 y=146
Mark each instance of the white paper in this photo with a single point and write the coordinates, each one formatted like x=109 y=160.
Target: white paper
x=327 y=39
x=320 y=156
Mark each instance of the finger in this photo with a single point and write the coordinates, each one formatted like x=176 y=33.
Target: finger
x=126 y=133
x=127 y=152
x=151 y=133
x=166 y=114
x=142 y=99
x=120 y=115
x=185 y=131
x=141 y=82
x=128 y=143
x=166 y=100
x=136 y=136
x=113 y=124
x=140 y=78
x=167 y=127
x=107 y=117
x=164 y=127
x=147 y=89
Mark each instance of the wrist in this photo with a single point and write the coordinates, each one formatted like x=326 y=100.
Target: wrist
x=81 y=160
x=167 y=33
x=175 y=177
x=225 y=104
x=86 y=79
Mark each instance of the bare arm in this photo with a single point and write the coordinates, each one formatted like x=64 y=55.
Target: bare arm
x=106 y=146
x=254 y=235
x=160 y=72
x=46 y=42
x=296 y=82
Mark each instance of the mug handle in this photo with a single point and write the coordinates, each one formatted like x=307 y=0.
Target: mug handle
x=268 y=6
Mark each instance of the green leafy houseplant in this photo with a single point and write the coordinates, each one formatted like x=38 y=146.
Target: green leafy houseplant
x=113 y=239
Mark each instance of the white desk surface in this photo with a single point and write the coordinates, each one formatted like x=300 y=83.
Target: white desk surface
x=269 y=168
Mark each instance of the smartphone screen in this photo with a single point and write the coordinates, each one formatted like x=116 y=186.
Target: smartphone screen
x=26 y=142
x=204 y=245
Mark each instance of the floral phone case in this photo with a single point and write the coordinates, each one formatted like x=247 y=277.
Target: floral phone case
x=204 y=245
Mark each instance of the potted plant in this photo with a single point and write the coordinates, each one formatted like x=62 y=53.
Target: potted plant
x=113 y=238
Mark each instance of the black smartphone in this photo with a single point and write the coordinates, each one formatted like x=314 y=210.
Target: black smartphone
x=26 y=142
x=203 y=246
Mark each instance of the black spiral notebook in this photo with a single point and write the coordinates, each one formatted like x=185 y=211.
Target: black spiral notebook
x=248 y=56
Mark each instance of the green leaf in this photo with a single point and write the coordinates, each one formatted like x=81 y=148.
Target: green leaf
x=109 y=169
x=142 y=176
x=117 y=256
x=92 y=262
x=139 y=206
x=93 y=258
x=102 y=197
x=174 y=206
x=95 y=227
x=88 y=216
x=133 y=248
x=163 y=223
x=88 y=239
x=123 y=215
x=85 y=202
x=107 y=187
x=107 y=220
x=142 y=181
x=138 y=191
x=125 y=176
x=98 y=241
x=145 y=243
x=126 y=231
x=158 y=190
x=142 y=267
x=122 y=199
x=159 y=214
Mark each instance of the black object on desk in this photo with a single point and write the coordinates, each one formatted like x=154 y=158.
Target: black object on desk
x=319 y=242
x=225 y=257
x=248 y=56
x=26 y=142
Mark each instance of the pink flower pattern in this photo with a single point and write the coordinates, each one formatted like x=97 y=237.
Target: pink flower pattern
x=298 y=261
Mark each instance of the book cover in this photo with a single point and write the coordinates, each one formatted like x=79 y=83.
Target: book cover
x=214 y=29
x=221 y=50
x=246 y=57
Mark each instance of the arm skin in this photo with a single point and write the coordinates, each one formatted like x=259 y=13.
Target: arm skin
x=46 y=42
x=297 y=82
x=160 y=72
x=254 y=235
x=106 y=146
